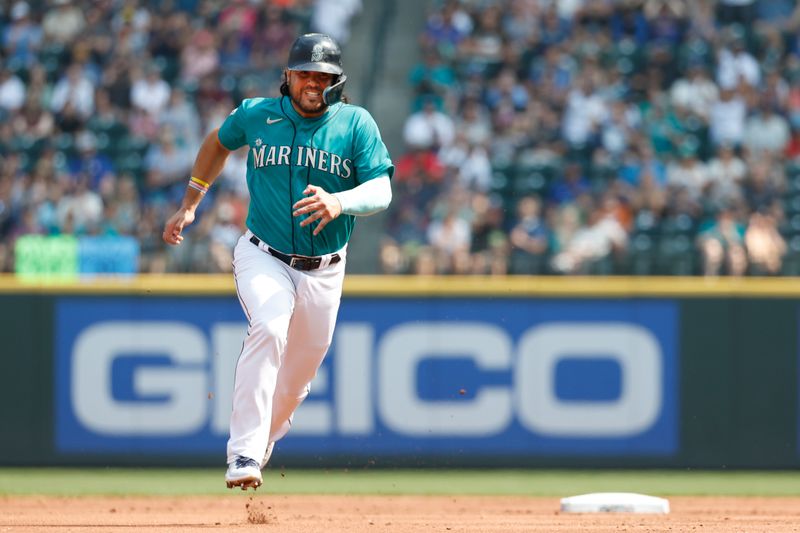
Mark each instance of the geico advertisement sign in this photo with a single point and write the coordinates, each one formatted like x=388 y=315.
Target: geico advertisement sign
x=173 y=379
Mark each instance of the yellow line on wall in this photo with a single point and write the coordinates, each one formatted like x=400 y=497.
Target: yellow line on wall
x=430 y=286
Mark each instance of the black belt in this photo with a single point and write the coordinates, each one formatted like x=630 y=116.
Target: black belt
x=298 y=262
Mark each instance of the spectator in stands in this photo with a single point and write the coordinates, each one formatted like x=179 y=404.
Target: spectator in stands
x=47 y=216
x=404 y=238
x=571 y=186
x=520 y=22
x=149 y=92
x=88 y=162
x=432 y=78
x=736 y=11
x=333 y=17
x=64 y=23
x=22 y=38
x=229 y=216
x=182 y=119
x=726 y=175
x=722 y=245
x=450 y=238
x=474 y=123
x=765 y=131
x=629 y=22
x=12 y=90
x=231 y=178
x=153 y=256
x=639 y=165
x=695 y=92
x=666 y=21
x=764 y=185
x=736 y=66
x=80 y=210
x=489 y=246
x=618 y=129
x=392 y=259
x=429 y=128
x=39 y=89
x=116 y=81
x=126 y=204
x=482 y=48
x=598 y=240
x=553 y=72
x=27 y=224
x=34 y=123
x=445 y=29
x=555 y=25
x=272 y=41
x=238 y=17
x=506 y=89
x=234 y=55
x=133 y=25
x=764 y=243
x=688 y=173
x=586 y=110
x=792 y=151
x=73 y=98
x=727 y=118
x=469 y=163
x=166 y=164
x=530 y=238
x=774 y=13
x=200 y=57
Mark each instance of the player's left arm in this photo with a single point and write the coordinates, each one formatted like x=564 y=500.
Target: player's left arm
x=366 y=199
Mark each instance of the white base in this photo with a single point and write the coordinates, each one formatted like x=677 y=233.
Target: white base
x=614 y=502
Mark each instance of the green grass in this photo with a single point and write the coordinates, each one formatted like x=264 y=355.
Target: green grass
x=553 y=483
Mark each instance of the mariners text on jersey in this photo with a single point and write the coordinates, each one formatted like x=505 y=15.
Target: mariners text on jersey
x=264 y=155
x=286 y=153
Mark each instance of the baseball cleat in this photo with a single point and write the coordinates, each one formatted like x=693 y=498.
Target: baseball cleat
x=243 y=472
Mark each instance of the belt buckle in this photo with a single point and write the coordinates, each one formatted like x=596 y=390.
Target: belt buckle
x=298 y=263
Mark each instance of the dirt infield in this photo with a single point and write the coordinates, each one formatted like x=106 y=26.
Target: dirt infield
x=356 y=514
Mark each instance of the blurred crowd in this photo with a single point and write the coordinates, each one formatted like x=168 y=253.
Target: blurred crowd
x=601 y=137
x=103 y=105
x=545 y=136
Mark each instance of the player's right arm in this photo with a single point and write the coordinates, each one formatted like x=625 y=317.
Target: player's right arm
x=207 y=166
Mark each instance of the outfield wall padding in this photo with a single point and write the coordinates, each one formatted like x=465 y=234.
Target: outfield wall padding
x=529 y=372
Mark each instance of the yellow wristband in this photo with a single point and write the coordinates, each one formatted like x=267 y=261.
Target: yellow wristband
x=200 y=182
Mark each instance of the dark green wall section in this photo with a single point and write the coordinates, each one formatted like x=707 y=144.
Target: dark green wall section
x=26 y=378
x=739 y=382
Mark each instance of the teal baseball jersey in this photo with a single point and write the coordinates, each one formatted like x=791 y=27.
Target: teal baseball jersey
x=287 y=152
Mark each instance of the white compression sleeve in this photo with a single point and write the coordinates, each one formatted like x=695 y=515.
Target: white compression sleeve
x=368 y=198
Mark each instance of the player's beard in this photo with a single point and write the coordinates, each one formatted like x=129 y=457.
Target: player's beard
x=305 y=104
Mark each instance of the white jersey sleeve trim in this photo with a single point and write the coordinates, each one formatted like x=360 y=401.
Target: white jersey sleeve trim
x=368 y=198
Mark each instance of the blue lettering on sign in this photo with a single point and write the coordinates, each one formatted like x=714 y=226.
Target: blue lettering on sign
x=521 y=377
x=458 y=378
x=597 y=380
x=123 y=371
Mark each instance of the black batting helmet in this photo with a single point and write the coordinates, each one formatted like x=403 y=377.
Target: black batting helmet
x=316 y=52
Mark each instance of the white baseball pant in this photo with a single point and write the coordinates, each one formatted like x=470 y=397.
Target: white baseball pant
x=291 y=316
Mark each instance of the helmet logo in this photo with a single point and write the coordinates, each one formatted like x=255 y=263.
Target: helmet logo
x=317 y=53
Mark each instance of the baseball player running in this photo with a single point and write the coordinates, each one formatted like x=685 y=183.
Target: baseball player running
x=314 y=164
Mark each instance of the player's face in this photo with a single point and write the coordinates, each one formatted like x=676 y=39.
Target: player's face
x=305 y=90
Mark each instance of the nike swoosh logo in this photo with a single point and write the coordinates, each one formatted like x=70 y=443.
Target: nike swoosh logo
x=271 y=121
